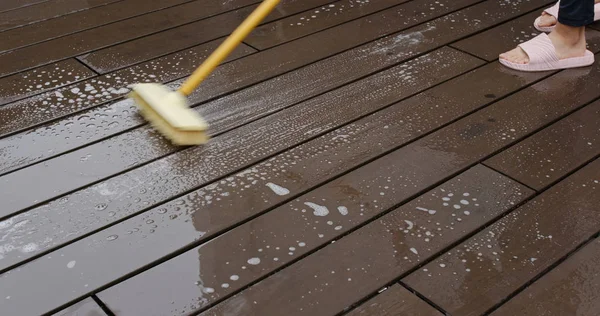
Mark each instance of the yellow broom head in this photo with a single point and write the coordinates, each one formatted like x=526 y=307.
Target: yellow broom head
x=168 y=112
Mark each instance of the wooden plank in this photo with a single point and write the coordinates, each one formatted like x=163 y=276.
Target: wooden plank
x=80 y=21
x=72 y=287
x=79 y=43
x=47 y=10
x=249 y=103
x=332 y=279
x=554 y=152
x=491 y=43
x=126 y=54
x=366 y=60
x=87 y=307
x=482 y=271
x=296 y=54
x=479 y=131
x=312 y=21
x=395 y=301
x=72 y=281
x=43 y=79
x=299 y=164
x=572 y=288
x=449 y=150
x=240 y=154
x=97 y=90
x=92 y=88
x=8 y=5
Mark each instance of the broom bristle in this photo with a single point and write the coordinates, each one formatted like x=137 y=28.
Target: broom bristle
x=177 y=136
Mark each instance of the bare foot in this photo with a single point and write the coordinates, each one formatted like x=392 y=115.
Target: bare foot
x=567 y=40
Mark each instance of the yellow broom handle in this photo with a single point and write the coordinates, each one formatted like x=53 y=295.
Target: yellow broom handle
x=228 y=46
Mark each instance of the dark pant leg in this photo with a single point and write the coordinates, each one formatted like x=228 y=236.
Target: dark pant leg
x=576 y=12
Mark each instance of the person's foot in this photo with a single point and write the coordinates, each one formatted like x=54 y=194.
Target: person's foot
x=547 y=20
x=568 y=42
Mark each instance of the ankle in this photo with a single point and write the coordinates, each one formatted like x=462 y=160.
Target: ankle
x=569 y=35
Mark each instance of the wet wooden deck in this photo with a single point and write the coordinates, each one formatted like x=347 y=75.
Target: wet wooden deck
x=369 y=157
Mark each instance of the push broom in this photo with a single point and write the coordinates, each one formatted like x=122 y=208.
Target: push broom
x=168 y=111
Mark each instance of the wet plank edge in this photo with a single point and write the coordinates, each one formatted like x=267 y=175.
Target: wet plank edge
x=365 y=306
x=47 y=60
x=86 y=15
x=101 y=60
x=82 y=73
x=261 y=43
x=574 y=177
x=90 y=305
x=18 y=4
x=580 y=254
x=45 y=16
x=496 y=162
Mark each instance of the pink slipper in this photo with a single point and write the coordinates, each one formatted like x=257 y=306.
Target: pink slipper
x=542 y=57
x=553 y=11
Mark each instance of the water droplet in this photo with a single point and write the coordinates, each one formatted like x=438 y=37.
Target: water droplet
x=101 y=206
x=112 y=237
x=253 y=261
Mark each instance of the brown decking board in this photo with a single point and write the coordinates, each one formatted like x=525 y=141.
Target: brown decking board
x=72 y=133
x=312 y=21
x=491 y=43
x=481 y=272
x=102 y=158
x=457 y=104
x=491 y=138
x=395 y=301
x=264 y=65
x=43 y=11
x=8 y=5
x=330 y=280
x=554 y=152
x=80 y=21
x=87 y=307
x=79 y=43
x=43 y=79
x=123 y=55
x=108 y=211
x=482 y=131
x=572 y=288
x=250 y=102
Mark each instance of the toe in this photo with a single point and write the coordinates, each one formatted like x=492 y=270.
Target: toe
x=516 y=55
x=547 y=20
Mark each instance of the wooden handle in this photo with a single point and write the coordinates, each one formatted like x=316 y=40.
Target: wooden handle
x=228 y=46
